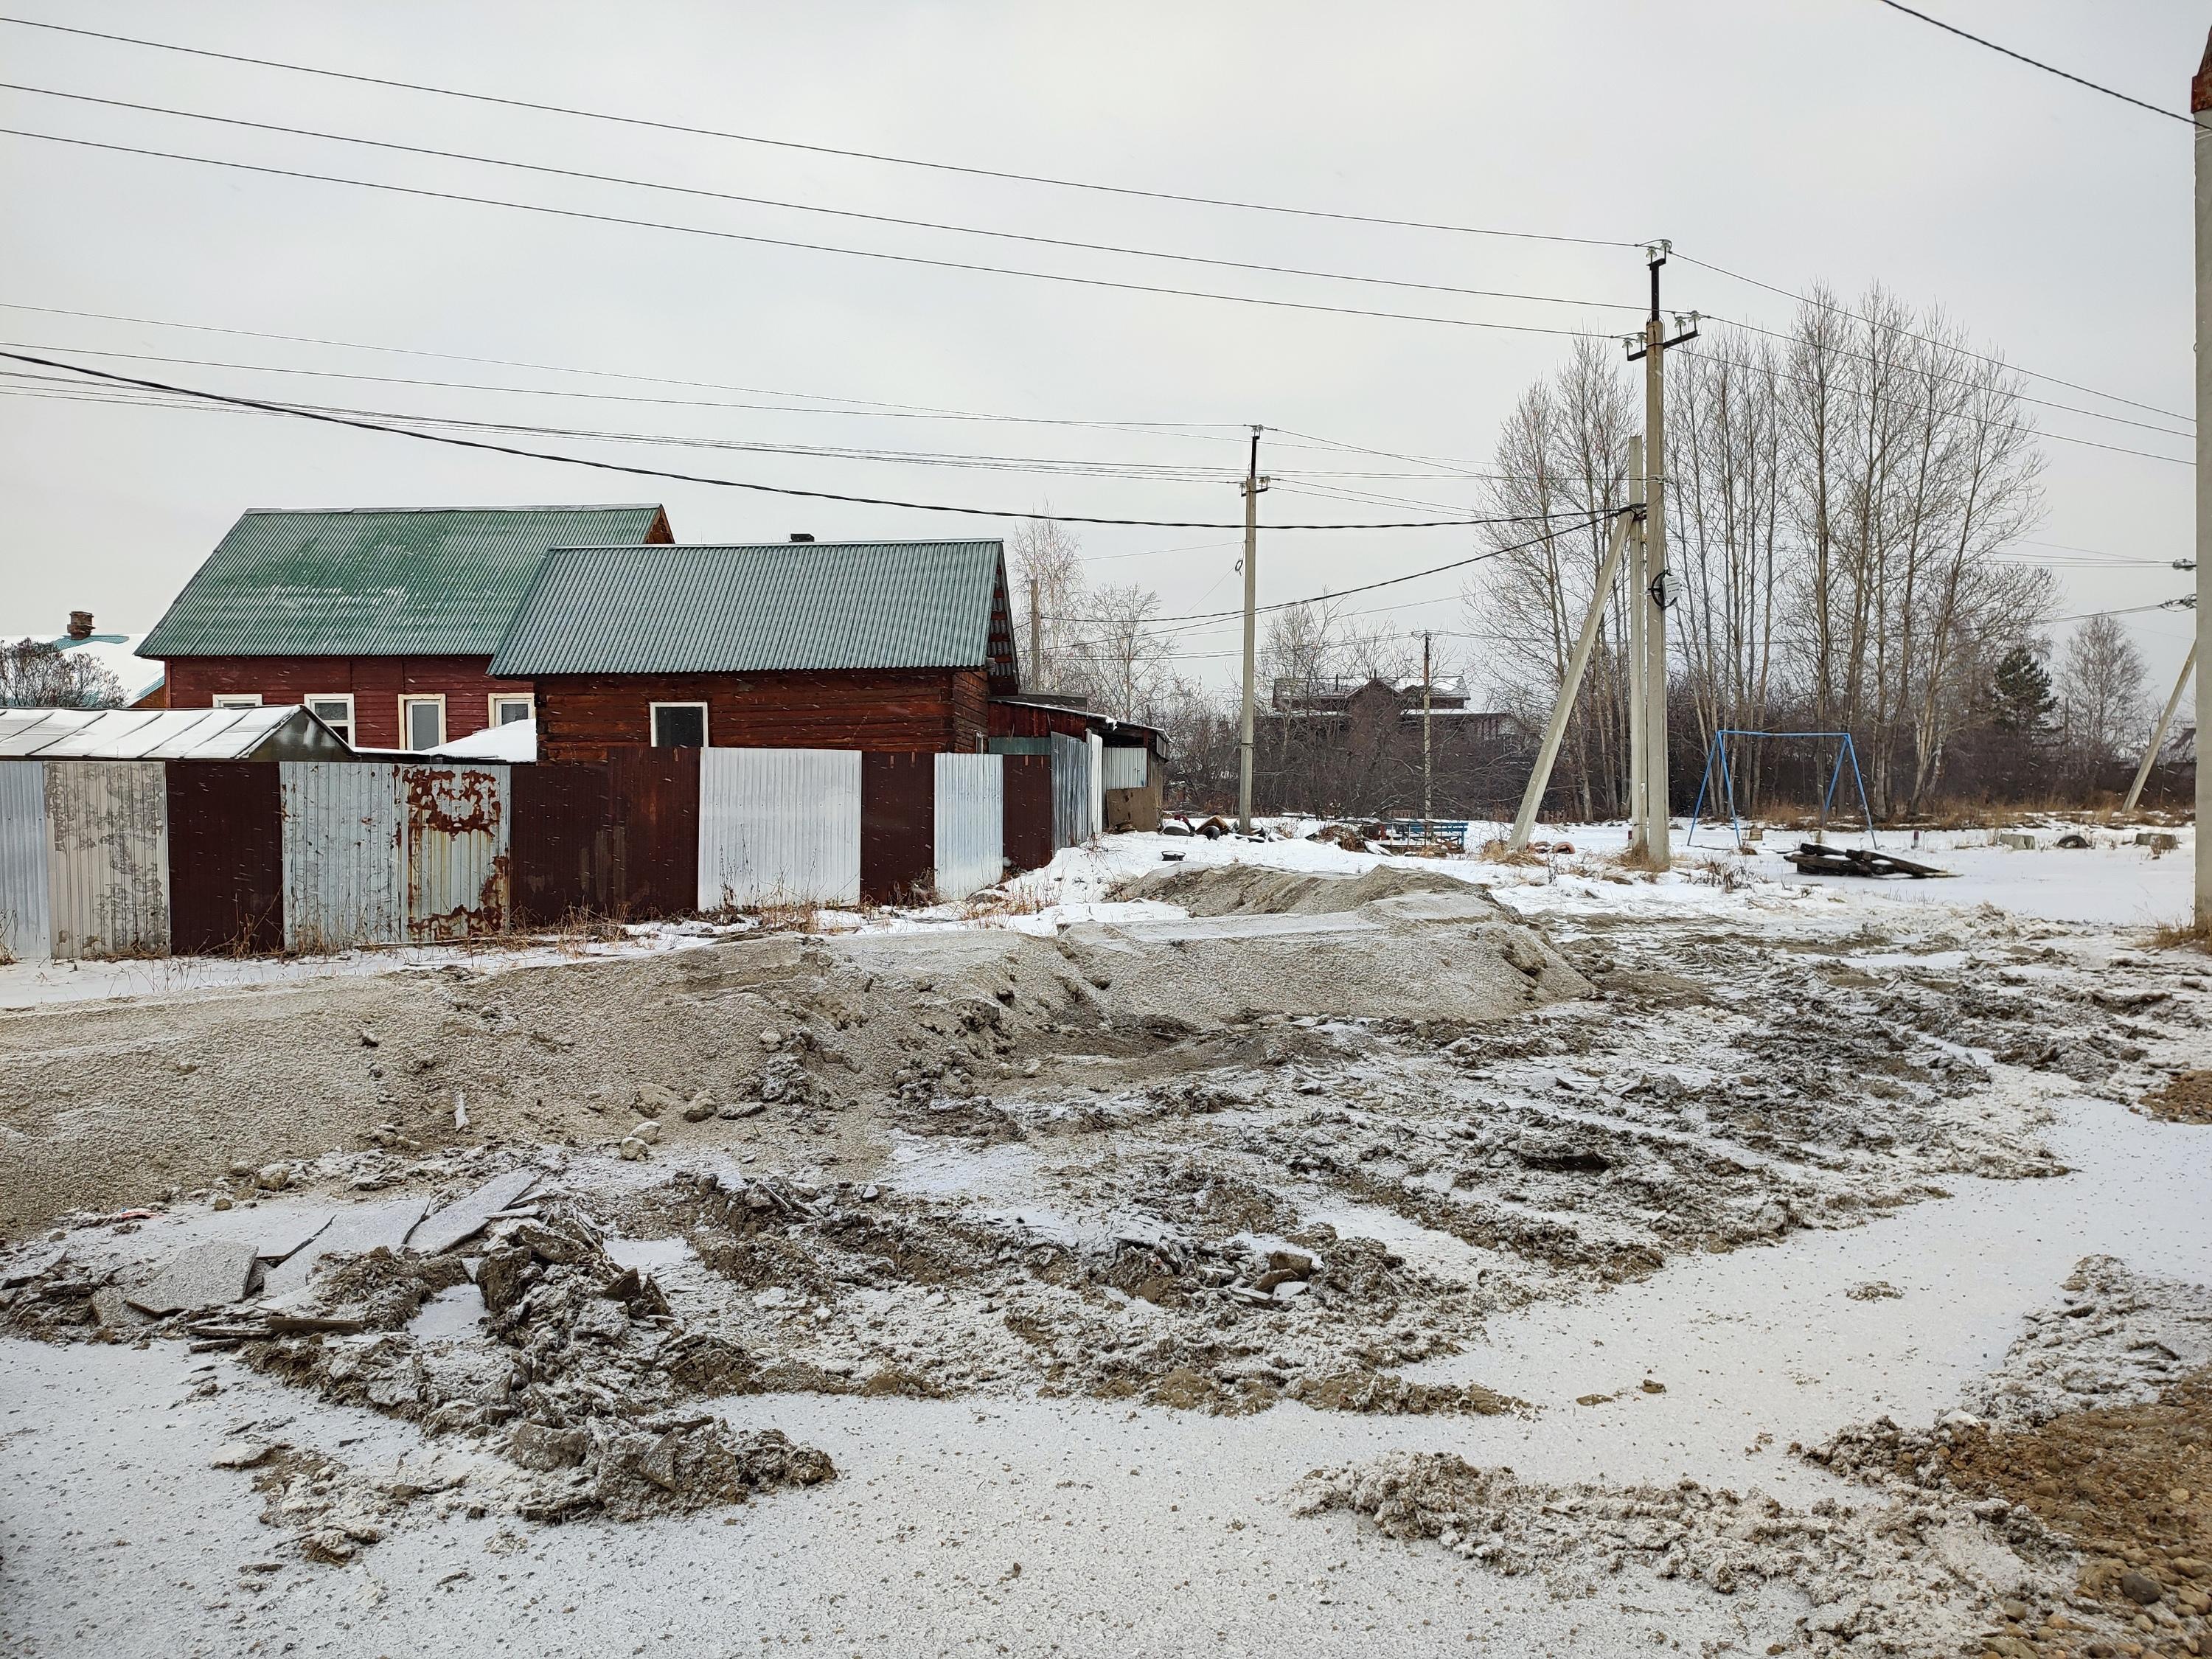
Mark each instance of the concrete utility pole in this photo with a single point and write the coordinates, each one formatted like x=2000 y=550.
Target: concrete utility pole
x=2200 y=110
x=1532 y=798
x=1428 y=826
x=2158 y=737
x=1253 y=485
x=1036 y=640
x=1635 y=584
x=1656 y=842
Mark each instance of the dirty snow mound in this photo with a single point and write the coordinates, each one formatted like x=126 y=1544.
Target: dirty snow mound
x=1236 y=889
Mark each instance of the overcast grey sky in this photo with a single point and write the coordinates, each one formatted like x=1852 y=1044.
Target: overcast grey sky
x=1793 y=140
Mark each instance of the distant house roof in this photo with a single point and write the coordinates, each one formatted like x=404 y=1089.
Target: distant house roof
x=431 y=581
x=781 y=605
x=272 y=733
x=116 y=653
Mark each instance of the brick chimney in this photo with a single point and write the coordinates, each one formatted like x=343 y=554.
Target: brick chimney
x=80 y=626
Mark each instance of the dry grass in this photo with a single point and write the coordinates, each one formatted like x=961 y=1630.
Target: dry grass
x=1496 y=852
x=779 y=915
x=2182 y=936
x=991 y=904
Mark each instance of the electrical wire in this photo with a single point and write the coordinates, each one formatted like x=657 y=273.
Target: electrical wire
x=2034 y=62
x=428 y=194
x=816 y=149
x=725 y=483
x=1909 y=334
x=807 y=207
x=2006 y=426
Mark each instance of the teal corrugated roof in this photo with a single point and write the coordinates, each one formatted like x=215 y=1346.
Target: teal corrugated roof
x=425 y=582
x=752 y=610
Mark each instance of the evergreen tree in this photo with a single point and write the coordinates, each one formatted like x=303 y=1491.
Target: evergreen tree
x=2021 y=698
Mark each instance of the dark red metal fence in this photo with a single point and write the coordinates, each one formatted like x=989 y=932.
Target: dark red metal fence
x=618 y=838
x=226 y=858
x=1029 y=810
x=898 y=827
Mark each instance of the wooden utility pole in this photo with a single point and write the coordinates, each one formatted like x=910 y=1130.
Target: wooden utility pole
x=1657 y=594
x=1636 y=581
x=2200 y=110
x=1253 y=485
x=1428 y=776
x=1036 y=640
x=2158 y=737
x=1540 y=778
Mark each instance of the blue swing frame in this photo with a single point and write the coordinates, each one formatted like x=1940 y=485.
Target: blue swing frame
x=1717 y=755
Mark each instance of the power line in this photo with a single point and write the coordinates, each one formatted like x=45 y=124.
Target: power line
x=1945 y=379
x=815 y=150
x=1926 y=339
x=807 y=207
x=2006 y=426
x=725 y=483
x=2034 y=62
x=778 y=241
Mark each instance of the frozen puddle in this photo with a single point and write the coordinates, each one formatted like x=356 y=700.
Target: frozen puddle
x=1745 y=1344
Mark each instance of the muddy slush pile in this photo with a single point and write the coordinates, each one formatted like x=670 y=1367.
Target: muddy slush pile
x=1276 y=1150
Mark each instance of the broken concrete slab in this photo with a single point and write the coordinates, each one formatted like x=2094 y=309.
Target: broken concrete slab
x=285 y=1232
x=210 y=1275
x=467 y=1215
x=351 y=1232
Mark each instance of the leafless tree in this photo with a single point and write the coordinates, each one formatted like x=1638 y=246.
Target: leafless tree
x=1047 y=553
x=2102 y=694
x=1119 y=659
x=40 y=674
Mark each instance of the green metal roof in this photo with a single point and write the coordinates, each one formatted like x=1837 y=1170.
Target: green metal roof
x=422 y=582
x=752 y=610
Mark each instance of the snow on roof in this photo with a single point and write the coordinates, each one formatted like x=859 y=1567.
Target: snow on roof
x=271 y=733
x=116 y=653
x=517 y=740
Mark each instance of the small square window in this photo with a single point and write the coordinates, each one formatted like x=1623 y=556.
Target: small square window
x=506 y=709
x=423 y=722
x=679 y=725
x=335 y=711
x=239 y=699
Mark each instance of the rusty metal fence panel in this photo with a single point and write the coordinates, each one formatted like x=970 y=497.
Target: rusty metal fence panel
x=343 y=882
x=970 y=823
x=26 y=928
x=1071 y=790
x=107 y=858
x=226 y=857
x=898 y=827
x=455 y=856
x=1027 y=783
x=779 y=825
x=618 y=838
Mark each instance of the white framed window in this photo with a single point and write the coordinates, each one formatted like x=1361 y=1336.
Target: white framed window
x=335 y=710
x=238 y=700
x=679 y=725
x=422 y=721
x=508 y=707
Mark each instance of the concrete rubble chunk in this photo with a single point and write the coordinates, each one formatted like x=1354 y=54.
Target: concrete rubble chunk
x=284 y=1232
x=351 y=1232
x=469 y=1214
x=210 y=1275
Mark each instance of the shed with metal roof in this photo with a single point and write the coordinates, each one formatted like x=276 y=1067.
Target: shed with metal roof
x=881 y=646
x=166 y=734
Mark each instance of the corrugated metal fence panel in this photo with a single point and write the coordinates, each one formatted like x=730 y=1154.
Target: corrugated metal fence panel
x=779 y=825
x=107 y=858
x=1097 y=805
x=656 y=800
x=569 y=854
x=226 y=857
x=342 y=883
x=456 y=858
x=1124 y=767
x=898 y=827
x=971 y=823
x=1028 y=786
x=1071 y=788
x=25 y=929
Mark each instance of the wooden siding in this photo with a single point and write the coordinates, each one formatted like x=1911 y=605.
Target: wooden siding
x=881 y=711
x=377 y=684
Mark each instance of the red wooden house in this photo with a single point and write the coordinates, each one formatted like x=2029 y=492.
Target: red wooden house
x=382 y=623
